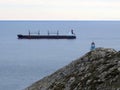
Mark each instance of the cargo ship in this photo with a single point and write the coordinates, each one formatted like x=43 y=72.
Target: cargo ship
x=48 y=36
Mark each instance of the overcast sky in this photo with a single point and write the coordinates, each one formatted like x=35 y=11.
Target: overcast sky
x=60 y=9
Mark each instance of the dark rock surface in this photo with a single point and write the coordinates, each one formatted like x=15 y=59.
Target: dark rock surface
x=97 y=70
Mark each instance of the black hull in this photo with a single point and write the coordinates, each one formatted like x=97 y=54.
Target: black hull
x=46 y=36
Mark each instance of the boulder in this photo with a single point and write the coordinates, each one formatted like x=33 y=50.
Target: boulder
x=98 y=69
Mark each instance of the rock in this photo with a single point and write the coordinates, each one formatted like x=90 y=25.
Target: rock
x=99 y=69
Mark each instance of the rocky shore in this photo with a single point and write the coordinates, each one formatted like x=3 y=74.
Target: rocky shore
x=99 y=69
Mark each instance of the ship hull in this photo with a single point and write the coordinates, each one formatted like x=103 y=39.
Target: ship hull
x=46 y=36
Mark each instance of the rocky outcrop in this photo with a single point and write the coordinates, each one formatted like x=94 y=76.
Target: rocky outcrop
x=97 y=70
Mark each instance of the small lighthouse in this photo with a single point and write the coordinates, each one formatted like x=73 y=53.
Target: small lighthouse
x=92 y=46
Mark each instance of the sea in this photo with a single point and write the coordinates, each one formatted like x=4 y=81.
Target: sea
x=23 y=62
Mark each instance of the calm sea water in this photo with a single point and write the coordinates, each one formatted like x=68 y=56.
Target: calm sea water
x=23 y=62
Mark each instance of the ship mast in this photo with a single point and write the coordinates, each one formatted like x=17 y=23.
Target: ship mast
x=29 y=32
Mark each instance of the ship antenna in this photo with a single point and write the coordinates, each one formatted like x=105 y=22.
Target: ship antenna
x=72 y=31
